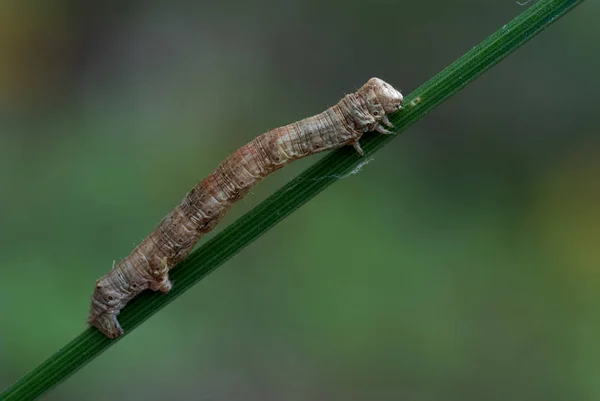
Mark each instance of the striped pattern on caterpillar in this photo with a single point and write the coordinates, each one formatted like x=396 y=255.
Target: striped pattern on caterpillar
x=205 y=205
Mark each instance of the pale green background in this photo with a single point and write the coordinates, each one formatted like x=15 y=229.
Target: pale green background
x=462 y=263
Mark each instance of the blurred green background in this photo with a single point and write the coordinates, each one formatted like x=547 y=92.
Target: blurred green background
x=462 y=263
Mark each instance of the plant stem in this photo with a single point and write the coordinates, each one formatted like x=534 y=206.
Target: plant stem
x=290 y=197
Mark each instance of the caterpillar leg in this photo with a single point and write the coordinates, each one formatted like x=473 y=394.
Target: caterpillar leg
x=386 y=121
x=356 y=146
x=381 y=129
x=161 y=276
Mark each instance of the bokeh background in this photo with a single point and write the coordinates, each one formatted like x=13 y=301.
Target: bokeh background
x=462 y=263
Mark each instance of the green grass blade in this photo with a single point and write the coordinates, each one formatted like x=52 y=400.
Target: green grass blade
x=249 y=227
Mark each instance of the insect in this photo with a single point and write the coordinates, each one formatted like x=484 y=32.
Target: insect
x=147 y=267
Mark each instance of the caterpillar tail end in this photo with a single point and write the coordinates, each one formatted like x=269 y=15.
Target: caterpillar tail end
x=105 y=309
x=107 y=323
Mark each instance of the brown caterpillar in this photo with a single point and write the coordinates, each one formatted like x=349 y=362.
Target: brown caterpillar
x=205 y=205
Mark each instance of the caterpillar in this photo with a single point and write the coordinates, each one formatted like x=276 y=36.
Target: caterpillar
x=147 y=267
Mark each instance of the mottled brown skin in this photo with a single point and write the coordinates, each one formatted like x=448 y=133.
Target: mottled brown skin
x=205 y=205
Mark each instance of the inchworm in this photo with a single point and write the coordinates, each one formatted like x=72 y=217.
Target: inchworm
x=205 y=205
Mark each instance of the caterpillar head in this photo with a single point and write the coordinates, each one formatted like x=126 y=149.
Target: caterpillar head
x=106 y=304
x=381 y=97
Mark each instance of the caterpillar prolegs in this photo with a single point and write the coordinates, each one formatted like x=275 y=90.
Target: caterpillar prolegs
x=205 y=205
